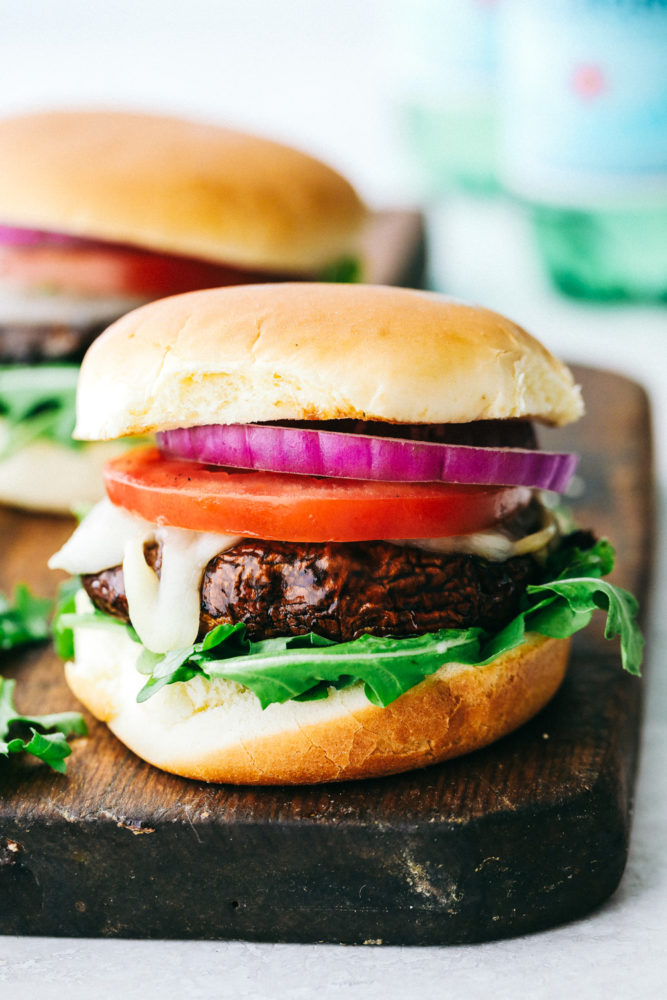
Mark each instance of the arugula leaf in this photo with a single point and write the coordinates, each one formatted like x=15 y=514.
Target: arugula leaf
x=66 y=618
x=61 y=627
x=345 y=271
x=584 y=595
x=37 y=401
x=571 y=560
x=24 y=620
x=46 y=736
x=387 y=666
x=305 y=667
x=278 y=670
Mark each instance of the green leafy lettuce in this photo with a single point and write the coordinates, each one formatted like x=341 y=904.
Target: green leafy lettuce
x=61 y=627
x=305 y=667
x=43 y=736
x=37 y=401
x=344 y=271
x=66 y=618
x=24 y=620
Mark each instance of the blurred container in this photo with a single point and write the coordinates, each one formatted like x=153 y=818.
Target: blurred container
x=443 y=69
x=584 y=139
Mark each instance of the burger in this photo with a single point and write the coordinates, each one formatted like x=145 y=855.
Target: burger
x=338 y=561
x=102 y=211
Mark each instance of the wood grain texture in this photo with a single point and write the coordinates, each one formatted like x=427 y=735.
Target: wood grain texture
x=520 y=836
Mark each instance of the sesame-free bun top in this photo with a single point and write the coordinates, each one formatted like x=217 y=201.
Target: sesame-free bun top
x=306 y=351
x=176 y=187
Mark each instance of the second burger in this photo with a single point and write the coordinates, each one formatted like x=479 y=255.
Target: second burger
x=101 y=211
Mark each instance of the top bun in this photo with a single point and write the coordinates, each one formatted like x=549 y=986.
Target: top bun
x=177 y=187
x=315 y=352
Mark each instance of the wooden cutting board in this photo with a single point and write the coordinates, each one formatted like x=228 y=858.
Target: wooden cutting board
x=518 y=837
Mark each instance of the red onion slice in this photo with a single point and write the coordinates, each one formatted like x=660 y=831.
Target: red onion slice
x=13 y=236
x=356 y=456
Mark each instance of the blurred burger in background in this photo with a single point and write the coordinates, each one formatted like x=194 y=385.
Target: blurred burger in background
x=102 y=211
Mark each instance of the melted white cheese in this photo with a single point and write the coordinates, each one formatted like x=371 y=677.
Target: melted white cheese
x=164 y=611
x=23 y=305
x=66 y=478
x=492 y=545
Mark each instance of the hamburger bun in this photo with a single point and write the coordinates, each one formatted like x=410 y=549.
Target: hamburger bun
x=216 y=730
x=176 y=187
x=315 y=352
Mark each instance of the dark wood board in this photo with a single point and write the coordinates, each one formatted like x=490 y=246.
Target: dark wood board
x=528 y=833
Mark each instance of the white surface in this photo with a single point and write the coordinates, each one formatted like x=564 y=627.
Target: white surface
x=310 y=71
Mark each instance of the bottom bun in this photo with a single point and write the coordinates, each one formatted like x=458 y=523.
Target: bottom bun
x=217 y=731
x=49 y=477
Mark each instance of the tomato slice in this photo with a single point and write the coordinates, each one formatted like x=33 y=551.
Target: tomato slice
x=294 y=508
x=99 y=269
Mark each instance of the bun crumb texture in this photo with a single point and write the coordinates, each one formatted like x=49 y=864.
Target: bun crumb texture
x=308 y=351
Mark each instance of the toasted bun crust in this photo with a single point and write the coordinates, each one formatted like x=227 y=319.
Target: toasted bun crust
x=216 y=731
x=315 y=351
x=175 y=186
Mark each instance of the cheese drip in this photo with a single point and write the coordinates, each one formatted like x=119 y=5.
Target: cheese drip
x=164 y=611
x=492 y=545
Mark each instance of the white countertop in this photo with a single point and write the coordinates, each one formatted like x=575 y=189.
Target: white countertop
x=309 y=71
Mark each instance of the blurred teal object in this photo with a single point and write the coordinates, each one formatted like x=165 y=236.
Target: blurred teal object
x=605 y=254
x=443 y=68
x=584 y=139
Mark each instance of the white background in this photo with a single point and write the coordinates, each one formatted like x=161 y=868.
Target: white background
x=316 y=73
